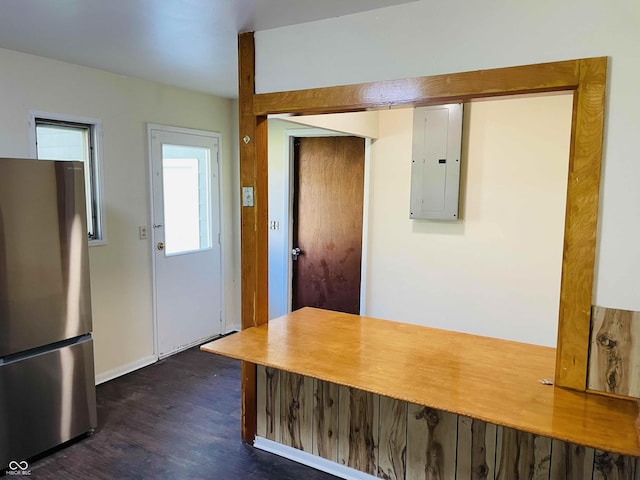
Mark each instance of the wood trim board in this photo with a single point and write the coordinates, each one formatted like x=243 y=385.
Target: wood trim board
x=432 y=90
x=253 y=248
x=614 y=358
x=403 y=441
x=581 y=218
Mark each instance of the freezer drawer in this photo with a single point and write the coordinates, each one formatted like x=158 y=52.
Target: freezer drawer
x=46 y=399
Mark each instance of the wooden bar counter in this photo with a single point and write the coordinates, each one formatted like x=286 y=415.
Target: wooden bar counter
x=492 y=380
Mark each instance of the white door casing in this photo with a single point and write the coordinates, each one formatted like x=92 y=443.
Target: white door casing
x=186 y=237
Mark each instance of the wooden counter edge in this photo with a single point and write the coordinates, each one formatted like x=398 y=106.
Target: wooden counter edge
x=633 y=451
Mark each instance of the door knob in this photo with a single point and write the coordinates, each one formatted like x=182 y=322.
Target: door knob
x=160 y=246
x=295 y=253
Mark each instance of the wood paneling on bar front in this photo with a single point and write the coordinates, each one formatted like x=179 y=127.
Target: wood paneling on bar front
x=268 y=403
x=432 y=439
x=325 y=420
x=614 y=362
x=522 y=455
x=296 y=410
x=358 y=420
x=392 y=450
x=476 y=449
x=608 y=466
x=570 y=461
x=416 y=442
x=493 y=380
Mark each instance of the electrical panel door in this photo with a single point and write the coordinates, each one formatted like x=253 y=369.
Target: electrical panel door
x=435 y=168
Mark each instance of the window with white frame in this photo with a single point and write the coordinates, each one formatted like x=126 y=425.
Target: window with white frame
x=63 y=137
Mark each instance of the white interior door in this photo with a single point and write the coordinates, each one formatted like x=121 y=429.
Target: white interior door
x=186 y=237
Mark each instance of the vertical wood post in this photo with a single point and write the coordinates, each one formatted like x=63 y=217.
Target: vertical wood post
x=583 y=187
x=254 y=247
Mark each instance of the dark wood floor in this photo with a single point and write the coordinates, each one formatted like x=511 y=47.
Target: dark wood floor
x=176 y=419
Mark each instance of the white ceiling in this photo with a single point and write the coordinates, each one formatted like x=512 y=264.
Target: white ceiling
x=187 y=43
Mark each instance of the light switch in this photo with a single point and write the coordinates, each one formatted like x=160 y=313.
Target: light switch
x=247 y=196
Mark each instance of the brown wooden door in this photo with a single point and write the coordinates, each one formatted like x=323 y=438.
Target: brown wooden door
x=327 y=222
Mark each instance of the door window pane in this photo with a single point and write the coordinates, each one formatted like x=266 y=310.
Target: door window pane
x=185 y=177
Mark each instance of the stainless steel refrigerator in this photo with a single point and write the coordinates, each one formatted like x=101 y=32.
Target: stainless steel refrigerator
x=47 y=382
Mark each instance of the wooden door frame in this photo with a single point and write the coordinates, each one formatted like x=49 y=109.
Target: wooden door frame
x=301 y=132
x=586 y=77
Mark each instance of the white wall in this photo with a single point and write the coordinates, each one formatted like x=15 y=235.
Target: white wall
x=120 y=270
x=233 y=320
x=363 y=124
x=427 y=37
x=278 y=212
x=495 y=272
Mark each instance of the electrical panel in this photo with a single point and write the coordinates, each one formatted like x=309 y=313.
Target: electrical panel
x=435 y=168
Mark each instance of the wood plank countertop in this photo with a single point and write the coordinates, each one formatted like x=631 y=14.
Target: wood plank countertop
x=485 y=378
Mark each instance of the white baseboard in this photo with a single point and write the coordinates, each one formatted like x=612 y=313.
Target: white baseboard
x=311 y=460
x=144 y=362
x=124 y=369
x=188 y=346
x=233 y=328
